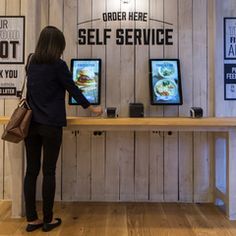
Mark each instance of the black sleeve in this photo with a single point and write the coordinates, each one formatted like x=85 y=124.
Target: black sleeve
x=65 y=78
x=29 y=58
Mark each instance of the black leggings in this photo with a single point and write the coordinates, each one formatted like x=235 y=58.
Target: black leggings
x=46 y=138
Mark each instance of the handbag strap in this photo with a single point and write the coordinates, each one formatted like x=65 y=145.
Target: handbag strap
x=23 y=103
x=26 y=72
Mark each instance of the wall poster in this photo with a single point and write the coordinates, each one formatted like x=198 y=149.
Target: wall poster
x=230 y=58
x=12 y=40
x=230 y=81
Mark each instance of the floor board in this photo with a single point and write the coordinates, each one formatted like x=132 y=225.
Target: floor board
x=127 y=219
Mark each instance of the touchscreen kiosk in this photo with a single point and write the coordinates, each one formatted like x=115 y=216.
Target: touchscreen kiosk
x=165 y=82
x=87 y=76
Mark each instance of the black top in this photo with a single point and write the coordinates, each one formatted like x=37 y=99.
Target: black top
x=46 y=87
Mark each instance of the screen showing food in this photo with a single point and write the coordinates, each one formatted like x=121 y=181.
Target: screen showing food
x=87 y=76
x=165 y=82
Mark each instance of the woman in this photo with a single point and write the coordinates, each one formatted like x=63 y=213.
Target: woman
x=48 y=80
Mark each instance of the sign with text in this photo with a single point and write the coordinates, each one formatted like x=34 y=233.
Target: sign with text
x=230 y=38
x=125 y=36
x=230 y=81
x=12 y=39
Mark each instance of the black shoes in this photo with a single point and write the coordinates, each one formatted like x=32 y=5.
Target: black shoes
x=48 y=226
x=33 y=227
x=45 y=226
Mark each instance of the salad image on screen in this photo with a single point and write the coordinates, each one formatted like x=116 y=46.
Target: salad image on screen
x=86 y=75
x=165 y=82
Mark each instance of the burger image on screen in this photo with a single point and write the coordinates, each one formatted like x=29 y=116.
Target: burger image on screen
x=85 y=77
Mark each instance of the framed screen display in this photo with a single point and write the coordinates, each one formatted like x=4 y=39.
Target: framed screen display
x=87 y=76
x=165 y=82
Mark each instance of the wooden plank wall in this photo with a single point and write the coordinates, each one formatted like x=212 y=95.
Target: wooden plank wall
x=156 y=139
x=200 y=93
x=11 y=156
x=131 y=166
x=10 y=7
x=2 y=103
x=186 y=138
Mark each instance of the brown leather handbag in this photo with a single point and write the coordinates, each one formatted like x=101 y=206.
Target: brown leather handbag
x=18 y=125
x=17 y=128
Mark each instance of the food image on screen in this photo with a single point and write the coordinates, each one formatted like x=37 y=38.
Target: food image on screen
x=165 y=89
x=166 y=70
x=86 y=75
x=165 y=84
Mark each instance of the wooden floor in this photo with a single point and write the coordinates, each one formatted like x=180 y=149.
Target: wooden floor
x=120 y=219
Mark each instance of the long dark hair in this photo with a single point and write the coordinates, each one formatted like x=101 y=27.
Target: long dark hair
x=50 y=46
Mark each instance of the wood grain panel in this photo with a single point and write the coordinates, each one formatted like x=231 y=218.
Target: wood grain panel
x=170 y=167
x=113 y=98
x=127 y=66
x=126 y=145
x=69 y=146
x=42 y=14
x=186 y=62
x=142 y=139
x=69 y=166
x=170 y=12
x=126 y=139
x=2 y=103
x=222 y=107
x=12 y=8
x=156 y=138
x=84 y=166
x=200 y=84
x=156 y=166
x=211 y=23
x=112 y=166
x=211 y=92
x=171 y=141
x=56 y=13
x=98 y=169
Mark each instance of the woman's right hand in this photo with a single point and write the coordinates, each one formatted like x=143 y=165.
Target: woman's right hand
x=96 y=110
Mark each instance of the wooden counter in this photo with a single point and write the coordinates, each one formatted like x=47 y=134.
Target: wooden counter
x=226 y=125
x=179 y=121
x=173 y=123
